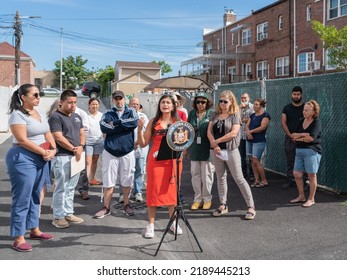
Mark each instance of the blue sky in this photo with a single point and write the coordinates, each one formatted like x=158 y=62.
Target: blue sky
x=105 y=31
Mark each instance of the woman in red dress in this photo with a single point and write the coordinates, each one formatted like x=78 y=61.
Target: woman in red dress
x=161 y=181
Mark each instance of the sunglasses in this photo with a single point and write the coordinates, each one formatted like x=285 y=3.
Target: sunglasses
x=36 y=95
x=223 y=101
x=203 y=102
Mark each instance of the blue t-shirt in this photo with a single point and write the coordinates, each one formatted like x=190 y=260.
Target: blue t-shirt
x=255 y=123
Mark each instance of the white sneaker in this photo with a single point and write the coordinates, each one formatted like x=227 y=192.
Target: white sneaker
x=138 y=197
x=121 y=199
x=173 y=228
x=149 y=231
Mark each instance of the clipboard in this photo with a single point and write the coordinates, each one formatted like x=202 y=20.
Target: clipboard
x=165 y=152
x=77 y=166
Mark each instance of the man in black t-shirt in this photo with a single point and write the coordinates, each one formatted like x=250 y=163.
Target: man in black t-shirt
x=291 y=114
x=69 y=134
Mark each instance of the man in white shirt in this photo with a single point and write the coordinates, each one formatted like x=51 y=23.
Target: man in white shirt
x=140 y=153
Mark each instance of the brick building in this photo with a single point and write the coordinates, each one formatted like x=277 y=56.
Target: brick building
x=7 y=67
x=276 y=41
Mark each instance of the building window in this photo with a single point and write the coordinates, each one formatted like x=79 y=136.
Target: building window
x=262 y=69
x=305 y=62
x=337 y=8
x=209 y=48
x=247 y=71
x=262 y=31
x=282 y=66
x=308 y=13
x=246 y=37
x=232 y=72
x=280 y=22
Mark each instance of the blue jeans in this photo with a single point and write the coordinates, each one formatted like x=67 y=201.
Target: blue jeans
x=139 y=171
x=27 y=172
x=247 y=169
x=64 y=190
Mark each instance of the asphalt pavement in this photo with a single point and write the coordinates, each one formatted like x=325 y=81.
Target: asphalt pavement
x=280 y=230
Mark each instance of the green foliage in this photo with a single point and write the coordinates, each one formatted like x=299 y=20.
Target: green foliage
x=165 y=67
x=75 y=72
x=335 y=40
x=103 y=76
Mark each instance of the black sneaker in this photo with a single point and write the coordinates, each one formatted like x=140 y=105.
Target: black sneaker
x=128 y=210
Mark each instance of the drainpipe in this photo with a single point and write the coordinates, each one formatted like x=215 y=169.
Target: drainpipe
x=294 y=40
x=324 y=23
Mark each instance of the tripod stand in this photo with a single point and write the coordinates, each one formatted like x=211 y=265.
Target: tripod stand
x=178 y=211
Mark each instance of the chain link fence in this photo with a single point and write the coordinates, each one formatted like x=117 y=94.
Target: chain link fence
x=330 y=91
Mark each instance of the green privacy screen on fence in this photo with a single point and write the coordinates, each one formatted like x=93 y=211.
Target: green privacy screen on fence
x=330 y=91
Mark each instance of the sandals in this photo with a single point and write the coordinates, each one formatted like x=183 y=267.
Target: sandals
x=219 y=212
x=95 y=182
x=308 y=203
x=250 y=215
x=297 y=200
x=259 y=185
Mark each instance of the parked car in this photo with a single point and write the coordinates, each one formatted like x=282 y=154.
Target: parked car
x=91 y=89
x=51 y=91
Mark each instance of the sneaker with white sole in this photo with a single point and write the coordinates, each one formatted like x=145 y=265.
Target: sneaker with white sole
x=74 y=219
x=149 y=231
x=173 y=228
x=128 y=210
x=102 y=213
x=138 y=197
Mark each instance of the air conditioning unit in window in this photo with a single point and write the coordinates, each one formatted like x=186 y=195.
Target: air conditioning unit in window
x=262 y=36
x=315 y=65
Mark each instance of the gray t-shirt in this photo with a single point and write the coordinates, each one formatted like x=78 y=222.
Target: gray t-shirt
x=35 y=128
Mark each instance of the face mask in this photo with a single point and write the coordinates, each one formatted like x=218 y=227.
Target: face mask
x=119 y=108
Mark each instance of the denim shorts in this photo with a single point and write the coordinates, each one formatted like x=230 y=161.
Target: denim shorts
x=255 y=150
x=94 y=149
x=307 y=160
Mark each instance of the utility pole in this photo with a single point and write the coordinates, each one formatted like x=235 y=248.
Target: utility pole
x=18 y=35
x=18 y=38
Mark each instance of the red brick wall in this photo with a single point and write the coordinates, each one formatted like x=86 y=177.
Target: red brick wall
x=7 y=72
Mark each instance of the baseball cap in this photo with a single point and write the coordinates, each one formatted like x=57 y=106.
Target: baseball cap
x=118 y=93
x=201 y=94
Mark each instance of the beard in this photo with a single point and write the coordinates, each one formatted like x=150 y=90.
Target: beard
x=297 y=100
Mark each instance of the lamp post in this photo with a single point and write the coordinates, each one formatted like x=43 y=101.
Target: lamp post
x=61 y=61
x=18 y=35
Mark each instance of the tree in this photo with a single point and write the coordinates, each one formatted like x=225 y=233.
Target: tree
x=104 y=76
x=335 y=40
x=165 y=67
x=74 y=72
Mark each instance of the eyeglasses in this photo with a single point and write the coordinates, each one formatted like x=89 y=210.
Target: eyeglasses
x=36 y=95
x=223 y=101
x=203 y=102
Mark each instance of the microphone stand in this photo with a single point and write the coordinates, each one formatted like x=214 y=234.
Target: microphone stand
x=178 y=211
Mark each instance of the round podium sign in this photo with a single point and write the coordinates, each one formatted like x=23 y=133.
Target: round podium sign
x=180 y=136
